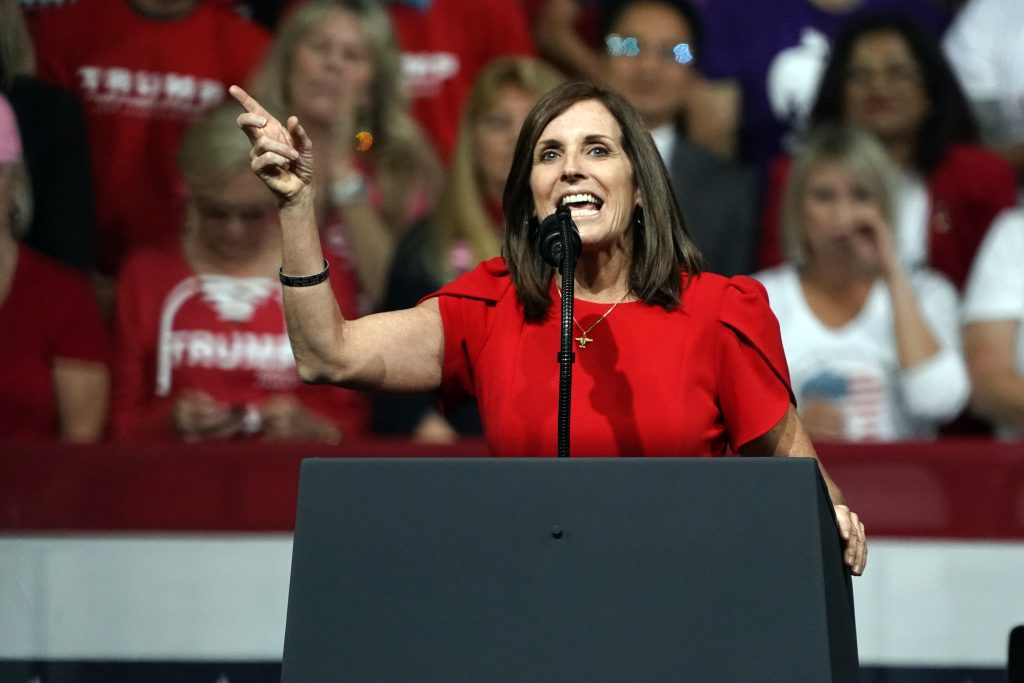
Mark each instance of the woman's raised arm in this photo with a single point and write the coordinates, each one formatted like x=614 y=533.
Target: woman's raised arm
x=398 y=351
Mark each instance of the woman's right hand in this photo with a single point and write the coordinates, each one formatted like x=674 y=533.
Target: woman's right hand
x=873 y=243
x=282 y=156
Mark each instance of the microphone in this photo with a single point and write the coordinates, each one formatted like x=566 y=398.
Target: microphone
x=551 y=238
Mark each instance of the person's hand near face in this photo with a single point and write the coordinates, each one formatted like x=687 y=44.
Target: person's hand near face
x=845 y=224
x=872 y=242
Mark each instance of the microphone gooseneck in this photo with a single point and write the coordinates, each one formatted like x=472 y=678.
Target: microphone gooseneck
x=560 y=246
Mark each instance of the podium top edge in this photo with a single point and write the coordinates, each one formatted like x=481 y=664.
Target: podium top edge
x=545 y=460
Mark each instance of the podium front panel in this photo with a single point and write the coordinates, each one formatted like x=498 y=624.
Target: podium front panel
x=567 y=570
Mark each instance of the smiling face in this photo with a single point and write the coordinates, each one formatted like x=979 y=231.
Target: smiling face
x=332 y=63
x=884 y=91
x=579 y=160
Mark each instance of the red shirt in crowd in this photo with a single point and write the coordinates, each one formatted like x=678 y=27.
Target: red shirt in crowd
x=222 y=335
x=142 y=82
x=50 y=314
x=444 y=46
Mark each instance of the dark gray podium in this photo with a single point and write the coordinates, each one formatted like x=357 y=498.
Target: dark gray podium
x=554 y=570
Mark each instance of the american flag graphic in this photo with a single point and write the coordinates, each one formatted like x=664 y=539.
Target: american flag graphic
x=859 y=395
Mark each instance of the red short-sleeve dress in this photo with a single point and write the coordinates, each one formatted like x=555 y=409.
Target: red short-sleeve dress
x=699 y=380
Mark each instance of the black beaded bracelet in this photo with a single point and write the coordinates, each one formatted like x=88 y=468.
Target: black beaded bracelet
x=304 y=280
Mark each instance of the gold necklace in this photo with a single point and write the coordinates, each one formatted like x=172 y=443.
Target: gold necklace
x=583 y=340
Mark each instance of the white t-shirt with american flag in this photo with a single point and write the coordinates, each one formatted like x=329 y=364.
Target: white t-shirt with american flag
x=856 y=368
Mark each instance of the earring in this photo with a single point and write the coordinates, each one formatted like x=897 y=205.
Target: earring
x=638 y=216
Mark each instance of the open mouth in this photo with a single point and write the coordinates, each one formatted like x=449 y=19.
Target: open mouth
x=582 y=204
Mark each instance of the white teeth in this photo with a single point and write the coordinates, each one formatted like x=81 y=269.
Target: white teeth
x=583 y=213
x=575 y=198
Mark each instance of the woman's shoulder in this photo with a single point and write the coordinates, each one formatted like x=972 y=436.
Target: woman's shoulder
x=151 y=272
x=50 y=284
x=968 y=165
x=489 y=281
x=775 y=278
x=1007 y=232
x=56 y=294
x=929 y=284
x=707 y=284
x=43 y=269
x=974 y=154
x=729 y=299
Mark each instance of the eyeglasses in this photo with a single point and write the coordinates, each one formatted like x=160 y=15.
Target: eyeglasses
x=893 y=73
x=630 y=46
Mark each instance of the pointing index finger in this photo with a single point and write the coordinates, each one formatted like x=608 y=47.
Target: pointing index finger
x=247 y=101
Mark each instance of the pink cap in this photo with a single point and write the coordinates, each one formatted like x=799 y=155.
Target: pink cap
x=10 y=140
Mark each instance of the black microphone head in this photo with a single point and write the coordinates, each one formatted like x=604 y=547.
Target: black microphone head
x=551 y=237
x=551 y=241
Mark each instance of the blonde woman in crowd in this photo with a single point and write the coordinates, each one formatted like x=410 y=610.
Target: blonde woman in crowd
x=336 y=66
x=873 y=347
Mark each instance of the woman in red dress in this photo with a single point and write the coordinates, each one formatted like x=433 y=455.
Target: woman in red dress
x=672 y=362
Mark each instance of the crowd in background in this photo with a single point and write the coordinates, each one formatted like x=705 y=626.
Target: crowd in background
x=860 y=158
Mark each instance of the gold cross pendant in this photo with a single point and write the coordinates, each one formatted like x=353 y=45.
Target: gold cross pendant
x=583 y=341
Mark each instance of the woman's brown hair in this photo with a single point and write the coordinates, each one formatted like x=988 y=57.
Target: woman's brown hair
x=661 y=245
